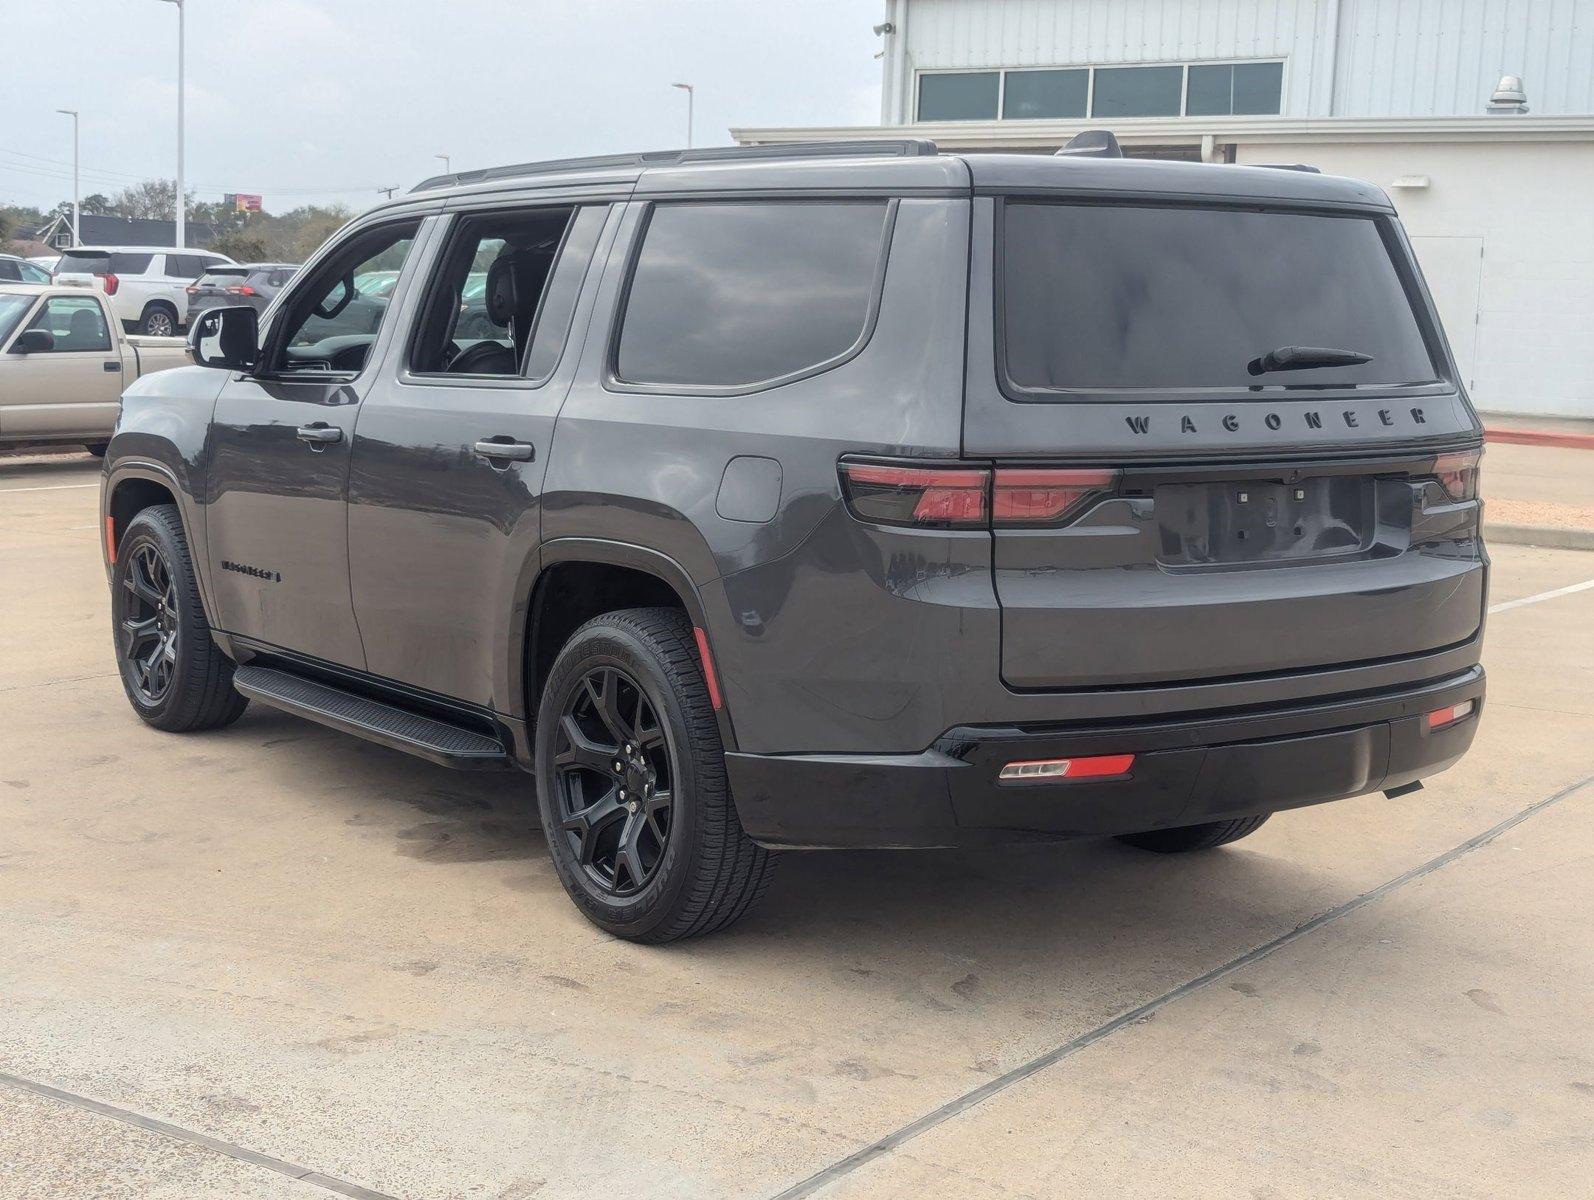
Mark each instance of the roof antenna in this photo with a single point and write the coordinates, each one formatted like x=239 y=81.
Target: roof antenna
x=1097 y=143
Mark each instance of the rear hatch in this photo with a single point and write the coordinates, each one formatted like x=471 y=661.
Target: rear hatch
x=1225 y=443
x=210 y=290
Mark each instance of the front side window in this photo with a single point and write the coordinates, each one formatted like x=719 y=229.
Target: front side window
x=1099 y=297
x=332 y=321
x=11 y=270
x=12 y=309
x=488 y=292
x=959 y=96
x=736 y=294
x=77 y=323
x=33 y=273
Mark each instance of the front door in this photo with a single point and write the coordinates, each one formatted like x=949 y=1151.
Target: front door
x=451 y=446
x=279 y=455
x=75 y=387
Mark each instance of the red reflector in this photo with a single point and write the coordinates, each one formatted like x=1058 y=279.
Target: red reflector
x=1101 y=766
x=1025 y=495
x=110 y=539
x=1440 y=717
x=709 y=677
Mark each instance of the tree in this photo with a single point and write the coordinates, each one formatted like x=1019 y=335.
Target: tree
x=96 y=204
x=154 y=199
x=8 y=225
x=240 y=247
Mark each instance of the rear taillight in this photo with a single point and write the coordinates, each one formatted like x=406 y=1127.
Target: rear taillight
x=110 y=283
x=931 y=497
x=1458 y=474
x=969 y=497
x=1042 y=496
x=241 y=290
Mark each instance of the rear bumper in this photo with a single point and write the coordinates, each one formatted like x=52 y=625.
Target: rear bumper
x=1186 y=771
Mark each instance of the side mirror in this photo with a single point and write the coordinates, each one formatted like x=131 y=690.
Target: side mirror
x=33 y=341
x=228 y=338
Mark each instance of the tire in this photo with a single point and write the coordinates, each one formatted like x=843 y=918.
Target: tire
x=688 y=867
x=1196 y=837
x=174 y=674
x=158 y=320
x=97 y=449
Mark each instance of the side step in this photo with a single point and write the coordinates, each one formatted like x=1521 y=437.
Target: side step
x=450 y=745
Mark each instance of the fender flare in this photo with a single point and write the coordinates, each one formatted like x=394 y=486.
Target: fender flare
x=193 y=524
x=613 y=553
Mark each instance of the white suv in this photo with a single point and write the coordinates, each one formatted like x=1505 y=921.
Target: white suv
x=146 y=285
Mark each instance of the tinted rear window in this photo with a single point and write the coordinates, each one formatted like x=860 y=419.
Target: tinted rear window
x=1099 y=297
x=734 y=294
x=99 y=264
x=222 y=277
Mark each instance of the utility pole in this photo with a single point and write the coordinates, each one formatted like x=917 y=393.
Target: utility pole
x=182 y=205
x=387 y=192
x=77 y=237
x=691 y=95
x=447 y=168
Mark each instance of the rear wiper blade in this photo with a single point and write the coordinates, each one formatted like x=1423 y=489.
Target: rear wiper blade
x=1300 y=358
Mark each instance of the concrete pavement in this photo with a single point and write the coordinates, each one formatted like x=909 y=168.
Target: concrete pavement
x=287 y=963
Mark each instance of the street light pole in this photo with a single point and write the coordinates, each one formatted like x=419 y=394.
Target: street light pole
x=691 y=96
x=447 y=164
x=77 y=238
x=182 y=204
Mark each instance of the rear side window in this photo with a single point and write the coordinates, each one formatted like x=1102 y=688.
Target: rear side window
x=99 y=264
x=185 y=266
x=1098 y=297
x=736 y=294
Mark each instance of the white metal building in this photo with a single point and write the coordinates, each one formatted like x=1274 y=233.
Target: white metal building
x=1499 y=202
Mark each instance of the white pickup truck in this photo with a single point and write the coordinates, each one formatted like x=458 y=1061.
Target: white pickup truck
x=64 y=361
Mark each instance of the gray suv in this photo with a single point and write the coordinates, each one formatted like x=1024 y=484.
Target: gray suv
x=850 y=495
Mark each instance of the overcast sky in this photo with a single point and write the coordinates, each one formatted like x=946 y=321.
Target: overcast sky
x=325 y=100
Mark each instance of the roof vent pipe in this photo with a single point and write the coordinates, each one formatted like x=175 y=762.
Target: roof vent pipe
x=1508 y=96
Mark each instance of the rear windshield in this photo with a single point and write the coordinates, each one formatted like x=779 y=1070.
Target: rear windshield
x=221 y=277
x=99 y=264
x=1100 y=297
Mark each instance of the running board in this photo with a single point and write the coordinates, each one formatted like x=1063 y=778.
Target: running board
x=450 y=745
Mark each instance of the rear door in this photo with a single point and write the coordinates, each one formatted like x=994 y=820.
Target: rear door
x=279 y=446
x=1171 y=506
x=452 y=445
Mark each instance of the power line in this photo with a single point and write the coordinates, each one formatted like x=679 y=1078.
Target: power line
x=108 y=175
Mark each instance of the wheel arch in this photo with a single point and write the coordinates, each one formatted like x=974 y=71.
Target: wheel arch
x=605 y=576
x=134 y=485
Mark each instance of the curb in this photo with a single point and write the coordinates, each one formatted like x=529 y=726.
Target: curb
x=1541 y=437
x=1549 y=537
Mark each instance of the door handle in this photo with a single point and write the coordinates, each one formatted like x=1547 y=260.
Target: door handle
x=111 y=366
x=507 y=451
x=319 y=434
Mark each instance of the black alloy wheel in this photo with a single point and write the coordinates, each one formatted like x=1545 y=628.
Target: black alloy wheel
x=147 y=625
x=615 y=781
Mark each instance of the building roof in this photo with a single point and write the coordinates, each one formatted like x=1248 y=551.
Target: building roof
x=97 y=230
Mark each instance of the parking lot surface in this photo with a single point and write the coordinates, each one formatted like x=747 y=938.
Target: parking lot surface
x=276 y=961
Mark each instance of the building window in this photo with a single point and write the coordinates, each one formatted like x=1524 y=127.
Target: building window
x=1234 y=88
x=1158 y=90
x=959 y=96
x=1028 y=95
x=1137 y=91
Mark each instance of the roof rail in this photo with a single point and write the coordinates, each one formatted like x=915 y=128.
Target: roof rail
x=1310 y=170
x=899 y=147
